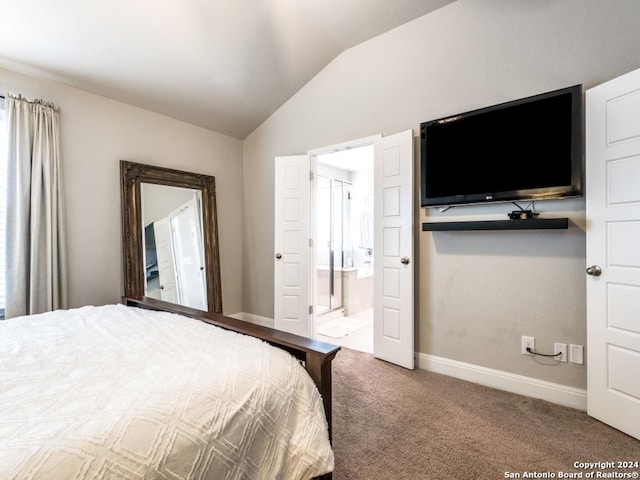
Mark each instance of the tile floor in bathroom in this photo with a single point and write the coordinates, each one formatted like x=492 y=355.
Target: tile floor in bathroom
x=361 y=339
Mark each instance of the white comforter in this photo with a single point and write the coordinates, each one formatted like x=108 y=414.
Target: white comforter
x=117 y=392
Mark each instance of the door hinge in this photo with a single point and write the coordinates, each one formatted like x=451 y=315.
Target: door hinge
x=310 y=175
x=311 y=243
x=310 y=309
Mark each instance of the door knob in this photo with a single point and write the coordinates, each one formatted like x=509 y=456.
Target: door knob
x=278 y=256
x=404 y=260
x=594 y=271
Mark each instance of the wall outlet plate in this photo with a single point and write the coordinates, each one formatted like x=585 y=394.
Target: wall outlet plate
x=528 y=342
x=576 y=354
x=560 y=348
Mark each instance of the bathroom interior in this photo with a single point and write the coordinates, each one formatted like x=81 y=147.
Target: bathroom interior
x=344 y=248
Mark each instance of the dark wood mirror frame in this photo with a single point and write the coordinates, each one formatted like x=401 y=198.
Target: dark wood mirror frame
x=131 y=176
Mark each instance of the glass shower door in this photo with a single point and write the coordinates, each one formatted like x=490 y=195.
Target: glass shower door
x=333 y=246
x=337 y=250
x=323 y=245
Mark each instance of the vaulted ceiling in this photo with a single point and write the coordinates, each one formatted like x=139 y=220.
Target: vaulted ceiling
x=225 y=65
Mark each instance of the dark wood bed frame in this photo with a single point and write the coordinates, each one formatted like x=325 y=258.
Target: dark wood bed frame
x=315 y=356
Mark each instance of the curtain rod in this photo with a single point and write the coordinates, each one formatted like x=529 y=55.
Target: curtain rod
x=36 y=101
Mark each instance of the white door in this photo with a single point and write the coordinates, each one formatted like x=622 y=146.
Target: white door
x=393 y=325
x=189 y=253
x=166 y=262
x=613 y=248
x=292 y=245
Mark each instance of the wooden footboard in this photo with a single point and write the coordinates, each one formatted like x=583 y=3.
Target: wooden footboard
x=315 y=356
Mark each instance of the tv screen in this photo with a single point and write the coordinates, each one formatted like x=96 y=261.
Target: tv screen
x=526 y=149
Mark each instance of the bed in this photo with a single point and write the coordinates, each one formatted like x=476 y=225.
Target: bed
x=146 y=390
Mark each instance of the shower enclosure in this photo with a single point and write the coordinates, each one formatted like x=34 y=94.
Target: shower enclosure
x=333 y=241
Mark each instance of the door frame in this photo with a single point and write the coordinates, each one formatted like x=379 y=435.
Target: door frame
x=313 y=155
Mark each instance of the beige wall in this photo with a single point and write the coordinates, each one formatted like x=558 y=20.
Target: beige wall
x=96 y=134
x=476 y=293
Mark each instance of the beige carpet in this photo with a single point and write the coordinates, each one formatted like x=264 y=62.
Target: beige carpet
x=390 y=423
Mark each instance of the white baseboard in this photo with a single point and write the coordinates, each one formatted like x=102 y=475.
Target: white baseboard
x=510 y=382
x=251 y=318
x=531 y=387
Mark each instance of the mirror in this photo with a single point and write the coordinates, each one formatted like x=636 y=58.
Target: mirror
x=170 y=236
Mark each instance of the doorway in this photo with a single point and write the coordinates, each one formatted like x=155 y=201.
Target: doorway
x=344 y=281
x=393 y=268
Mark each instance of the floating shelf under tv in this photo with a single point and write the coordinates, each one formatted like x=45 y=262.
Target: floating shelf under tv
x=529 y=224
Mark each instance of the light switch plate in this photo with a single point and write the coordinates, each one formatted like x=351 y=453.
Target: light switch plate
x=576 y=354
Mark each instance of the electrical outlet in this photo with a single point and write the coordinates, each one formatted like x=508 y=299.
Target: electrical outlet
x=560 y=348
x=528 y=342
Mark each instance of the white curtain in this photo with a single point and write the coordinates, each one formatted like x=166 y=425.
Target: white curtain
x=35 y=239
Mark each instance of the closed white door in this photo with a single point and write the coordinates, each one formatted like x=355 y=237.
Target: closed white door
x=613 y=252
x=292 y=245
x=393 y=326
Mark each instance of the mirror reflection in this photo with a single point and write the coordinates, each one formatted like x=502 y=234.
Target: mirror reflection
x=174 y=259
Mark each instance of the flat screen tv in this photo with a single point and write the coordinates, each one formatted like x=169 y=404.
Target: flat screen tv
x=527 y=149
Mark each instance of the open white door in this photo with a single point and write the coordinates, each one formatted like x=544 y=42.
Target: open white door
x=292 y=250
x=189 y=254
x=166 y=262
x=613 y=252
x=393 y=325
